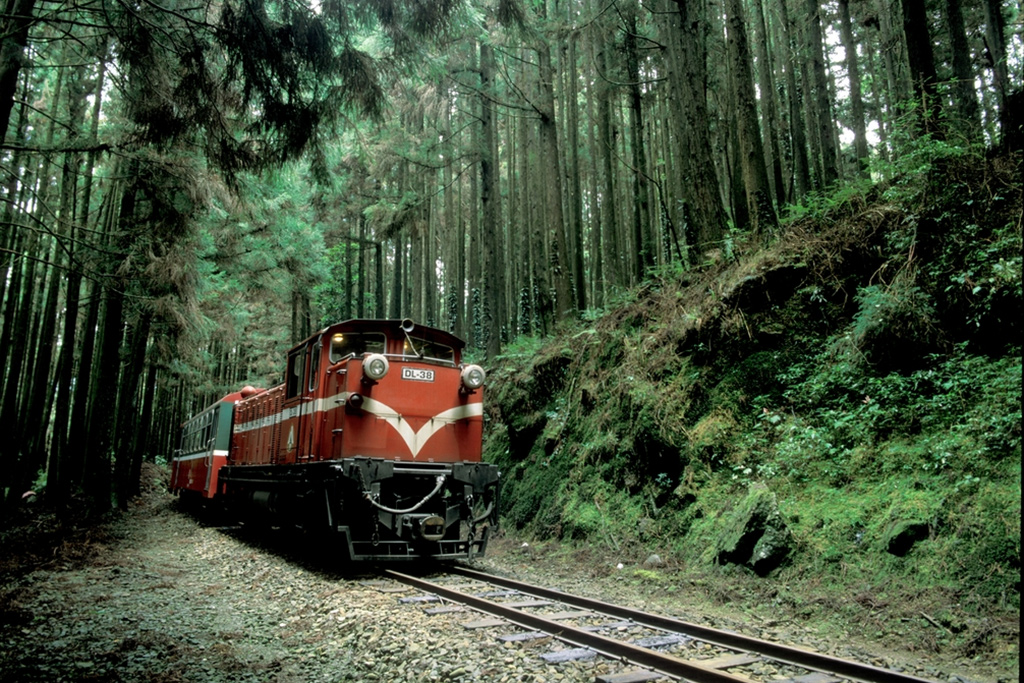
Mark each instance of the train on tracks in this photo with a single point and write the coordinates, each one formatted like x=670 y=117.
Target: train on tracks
x=373 y=440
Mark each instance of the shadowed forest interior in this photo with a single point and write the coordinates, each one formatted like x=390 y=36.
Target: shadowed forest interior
x=189 y=189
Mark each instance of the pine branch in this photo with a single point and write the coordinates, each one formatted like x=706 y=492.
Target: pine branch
x=35 y=149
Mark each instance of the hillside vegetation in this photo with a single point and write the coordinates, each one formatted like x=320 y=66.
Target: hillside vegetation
x=828 y=418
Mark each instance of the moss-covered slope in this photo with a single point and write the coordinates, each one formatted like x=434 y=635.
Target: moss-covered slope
x=848 y=394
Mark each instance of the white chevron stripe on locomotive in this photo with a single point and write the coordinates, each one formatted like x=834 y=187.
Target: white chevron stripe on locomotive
x=414 y=440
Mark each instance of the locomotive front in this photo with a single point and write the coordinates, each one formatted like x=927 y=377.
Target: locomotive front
x=375 y=436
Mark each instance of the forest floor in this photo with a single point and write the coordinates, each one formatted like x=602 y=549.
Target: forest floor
x=155 y=595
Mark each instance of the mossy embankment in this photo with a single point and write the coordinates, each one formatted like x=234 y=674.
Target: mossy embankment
x=831 y=417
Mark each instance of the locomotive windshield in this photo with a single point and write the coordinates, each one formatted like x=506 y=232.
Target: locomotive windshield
x=427 y=349
x=344 y=344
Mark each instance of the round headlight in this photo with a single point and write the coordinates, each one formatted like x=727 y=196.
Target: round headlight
x=473 y=377
x=375 y=366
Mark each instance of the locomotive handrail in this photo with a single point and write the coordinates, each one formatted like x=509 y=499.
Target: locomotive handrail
x=421 y=359
x=440 y=482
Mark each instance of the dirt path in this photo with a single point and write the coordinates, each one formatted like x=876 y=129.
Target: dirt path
x=166 y=600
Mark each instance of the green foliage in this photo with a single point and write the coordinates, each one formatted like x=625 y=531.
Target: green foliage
x=893 y=323
x=528 y=489
x=962 y=412
x=989 y=513
x=817 y=205
x=916 y=155
x=523 y=347
x=977 y=270
x=329 y=295
x=866 y=394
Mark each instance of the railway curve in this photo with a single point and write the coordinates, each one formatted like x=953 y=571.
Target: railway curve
x=648 y=652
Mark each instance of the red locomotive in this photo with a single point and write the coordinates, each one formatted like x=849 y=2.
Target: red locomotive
x=375 y=435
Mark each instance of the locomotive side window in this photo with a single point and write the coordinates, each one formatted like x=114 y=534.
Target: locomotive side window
x=314 y=364
x=427 y=349
x=345 y=344
x=294 y=374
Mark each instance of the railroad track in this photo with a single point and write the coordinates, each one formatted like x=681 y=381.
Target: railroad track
x=650 y=646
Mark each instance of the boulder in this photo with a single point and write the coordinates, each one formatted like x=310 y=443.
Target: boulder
x=654 y=560
x=754 y=533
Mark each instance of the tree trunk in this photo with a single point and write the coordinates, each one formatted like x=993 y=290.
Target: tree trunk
x=105 y=390
x=543 y=305
x=821 y=102
x=922 y=63
x=17 y=18
x=801 y=182
x=453 y=241
x=880 y=101
x=894 y=50
x=128 y=413
x=489 y=202
x=476 y=334
x=549 y=150
x=574 y=171
x=688 y=79
x=79 y=432
x=16 y=309
x=347 y=245
x=757 y=189
x=529 y=280
x=966 y=98
x=59 y=472
x=769 y=104
x=396 y=277
x=378 y=255
x=860 y=139
x=642 y=239
x=596 y=243
x=145 y=439
x=12 y=236
x=606 y=141
x=995 y=41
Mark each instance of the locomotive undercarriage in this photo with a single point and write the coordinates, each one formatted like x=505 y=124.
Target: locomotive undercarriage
x=377 y=509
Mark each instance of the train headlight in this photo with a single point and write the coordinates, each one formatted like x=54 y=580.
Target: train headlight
x=473 y=377
x=375 y=366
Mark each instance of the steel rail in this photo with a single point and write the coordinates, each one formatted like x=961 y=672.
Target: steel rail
x=734 y=641
x=658 y=661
